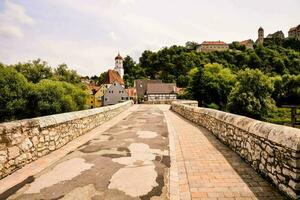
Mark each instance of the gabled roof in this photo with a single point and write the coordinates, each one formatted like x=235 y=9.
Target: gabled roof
x=113 y=76
x=214 y=43
x=161 y=88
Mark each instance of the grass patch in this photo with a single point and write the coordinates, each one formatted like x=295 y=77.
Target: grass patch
x=279 y=116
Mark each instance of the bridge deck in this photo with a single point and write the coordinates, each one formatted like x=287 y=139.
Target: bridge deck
x=207 y=169
x=130 y=160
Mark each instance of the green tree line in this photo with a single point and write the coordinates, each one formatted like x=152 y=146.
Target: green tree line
x=34 y=89
x=250 y=82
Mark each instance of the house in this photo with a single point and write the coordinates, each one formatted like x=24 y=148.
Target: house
x=247 y=43
x=132 y=94
x=98 y=95
x=114 y=94
x=141 y=86
x=277 y=34
x=295 y=32
x=209 y=46
x=91 y=101
x=160 y=92
x=111 y=77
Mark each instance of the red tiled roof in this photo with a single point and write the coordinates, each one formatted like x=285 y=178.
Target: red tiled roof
x=214 y=42
x=113 y=76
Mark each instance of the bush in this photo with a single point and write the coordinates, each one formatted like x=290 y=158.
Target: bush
x=251 y=95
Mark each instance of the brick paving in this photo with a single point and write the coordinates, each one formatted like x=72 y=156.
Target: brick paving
x=208 y=170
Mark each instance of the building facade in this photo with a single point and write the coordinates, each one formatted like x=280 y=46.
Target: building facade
x=247 y=43
x=141 y=86
x=91 y=101
x=277 y=34
x=160 y=92
x=295 y=32
x=114 y=94
x=209 y=46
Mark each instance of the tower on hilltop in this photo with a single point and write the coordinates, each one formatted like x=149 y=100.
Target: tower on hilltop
x=119 y=65
x=260 y=39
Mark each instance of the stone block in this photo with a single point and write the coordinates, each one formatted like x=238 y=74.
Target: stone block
x=13 y=152
x=25 y=145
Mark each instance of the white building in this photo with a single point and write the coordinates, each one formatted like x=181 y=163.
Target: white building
x=119 y=65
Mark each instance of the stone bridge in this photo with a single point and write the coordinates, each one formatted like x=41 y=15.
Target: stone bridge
x=153 y=152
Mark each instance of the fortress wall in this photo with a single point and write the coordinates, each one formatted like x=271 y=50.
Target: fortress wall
x=272 y=150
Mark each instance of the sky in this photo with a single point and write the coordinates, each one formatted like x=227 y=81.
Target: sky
x=88 y=34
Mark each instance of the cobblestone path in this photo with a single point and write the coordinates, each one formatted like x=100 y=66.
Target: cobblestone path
x=208 y=170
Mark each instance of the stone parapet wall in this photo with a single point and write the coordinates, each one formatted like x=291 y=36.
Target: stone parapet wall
x=24 y=141
x=272 y=150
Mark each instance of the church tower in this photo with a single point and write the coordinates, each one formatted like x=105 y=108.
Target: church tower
x=260 y=39
x=119 y=65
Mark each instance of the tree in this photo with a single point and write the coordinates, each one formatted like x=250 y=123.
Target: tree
x=62 y=73
x=218 y=83
x=35 y=70
x=13 y=94
x=191 y=45
x=51 y=97
x=251 y=95
x=132 y=71
x=290 y=90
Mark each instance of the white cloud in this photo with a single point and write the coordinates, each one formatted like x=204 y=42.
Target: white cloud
x=11 y=31
x=12 y=18
x=113 y=36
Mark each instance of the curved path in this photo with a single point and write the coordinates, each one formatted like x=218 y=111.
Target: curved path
x=129 y=158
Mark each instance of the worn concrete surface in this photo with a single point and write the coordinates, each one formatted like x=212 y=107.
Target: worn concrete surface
x=128 y=161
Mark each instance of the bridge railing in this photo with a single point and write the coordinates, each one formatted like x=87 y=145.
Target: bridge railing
x=24 y=141
x=272 y=150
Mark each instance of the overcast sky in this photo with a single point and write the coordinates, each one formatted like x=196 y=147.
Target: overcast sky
x=87 y=34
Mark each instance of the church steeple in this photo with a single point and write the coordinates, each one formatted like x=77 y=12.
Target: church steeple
x=119 y=65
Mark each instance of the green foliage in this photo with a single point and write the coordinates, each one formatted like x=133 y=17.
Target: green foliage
x=50 y=97
x=251 y=95
x=290 y=90
x=34 y=71
x=20 y=98
x=132 y=71
x=13 y=94
x=62 y=73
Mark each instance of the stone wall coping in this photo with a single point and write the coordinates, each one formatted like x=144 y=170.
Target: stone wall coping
x=280 y=134
x=49 y=120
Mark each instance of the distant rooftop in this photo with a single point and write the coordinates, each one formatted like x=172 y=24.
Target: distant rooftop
x=214 y=43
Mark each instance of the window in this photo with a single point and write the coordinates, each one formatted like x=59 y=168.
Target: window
x=105 y=99
x=92 y=106
x=91 y=101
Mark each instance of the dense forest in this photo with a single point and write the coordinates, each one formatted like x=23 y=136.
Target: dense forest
x=34 y=89
x=251 y=82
